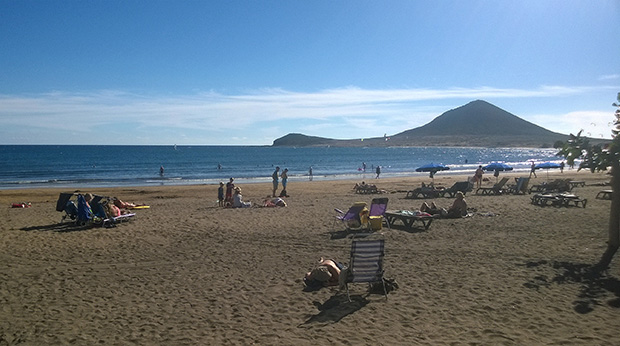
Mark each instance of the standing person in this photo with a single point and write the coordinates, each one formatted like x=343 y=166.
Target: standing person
x=284 y=177
x=161 y=170
x=378 y=171
x=364 y=166
x=310 y=173
x=220 y=194
x=229 y=191
x=562 y=167
x=478 y=176
x=274 y=177
x=533 y=170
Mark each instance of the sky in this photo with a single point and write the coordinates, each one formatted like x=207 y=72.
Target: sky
x=164 y=72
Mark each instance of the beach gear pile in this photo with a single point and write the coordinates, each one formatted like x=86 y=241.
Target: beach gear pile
x=98 y=211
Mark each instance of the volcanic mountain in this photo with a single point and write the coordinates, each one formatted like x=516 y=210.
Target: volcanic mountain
x=476 y=124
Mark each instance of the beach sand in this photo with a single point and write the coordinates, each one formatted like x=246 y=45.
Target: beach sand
x=186 y=272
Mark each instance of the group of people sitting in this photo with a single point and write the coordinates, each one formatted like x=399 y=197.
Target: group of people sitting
x=365 y=188
x=234 y=198
x=113 y=207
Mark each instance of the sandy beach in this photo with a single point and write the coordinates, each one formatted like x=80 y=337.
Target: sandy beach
x=186 y=272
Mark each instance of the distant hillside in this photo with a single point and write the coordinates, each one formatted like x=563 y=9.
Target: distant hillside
x=299 y=140
x=476 y=124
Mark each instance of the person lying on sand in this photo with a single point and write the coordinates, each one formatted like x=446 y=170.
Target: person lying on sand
x=326 y=273
x=274 y=202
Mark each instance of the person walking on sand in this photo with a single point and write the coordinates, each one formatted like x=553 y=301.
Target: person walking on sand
x=378 y=171
x=478 y=176
x=274 y=177
x=533 y=170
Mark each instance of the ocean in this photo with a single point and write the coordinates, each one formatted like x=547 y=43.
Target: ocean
x=80 y=166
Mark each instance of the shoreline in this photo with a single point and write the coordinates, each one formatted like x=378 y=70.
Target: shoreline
x=368 y=175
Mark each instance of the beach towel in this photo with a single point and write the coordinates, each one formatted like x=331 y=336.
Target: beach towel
x=84 y=214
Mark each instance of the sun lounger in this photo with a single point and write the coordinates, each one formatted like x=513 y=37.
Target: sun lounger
x=604 y=194
x=497 y=189
x=408 y=218
x=577 y=183
x=520 y=187
x=366 y=189
x=462 y=186
x=558 y=185
x=559 y=200
x=544 y=200
x=572 y=200
x=423 y=192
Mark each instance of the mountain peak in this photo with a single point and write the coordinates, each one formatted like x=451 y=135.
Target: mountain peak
x=478 y=118
x=475 y=124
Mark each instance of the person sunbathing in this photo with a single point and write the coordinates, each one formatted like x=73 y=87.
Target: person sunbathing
x=112 y=210
x=326 y=273
x=274 y=202
x=457 y=210
x=124 y=205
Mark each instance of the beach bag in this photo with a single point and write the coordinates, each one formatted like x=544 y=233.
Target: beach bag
x=390 y=285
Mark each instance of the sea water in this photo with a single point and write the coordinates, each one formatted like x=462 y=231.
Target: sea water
x=26 y=166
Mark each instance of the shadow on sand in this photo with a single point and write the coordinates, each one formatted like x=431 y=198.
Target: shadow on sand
x=596 y=284
x=57 y=227
x=336 y=308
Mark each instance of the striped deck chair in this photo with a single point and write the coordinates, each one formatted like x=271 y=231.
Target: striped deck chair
x=366 y=263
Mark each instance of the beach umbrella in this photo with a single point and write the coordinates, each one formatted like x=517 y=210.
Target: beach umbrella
x=547 y=165
x=496 y=167
x=432 y=168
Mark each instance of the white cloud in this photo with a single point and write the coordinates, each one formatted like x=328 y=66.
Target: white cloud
x=209 y=118
x=609 y=77
x=597 y=124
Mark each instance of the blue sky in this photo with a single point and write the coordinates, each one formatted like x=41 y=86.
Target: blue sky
x=248 y=72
